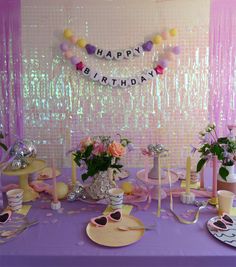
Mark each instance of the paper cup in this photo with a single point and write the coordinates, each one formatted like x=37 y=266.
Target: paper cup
x=15 y=198
x=116 y=198
x=225 y=200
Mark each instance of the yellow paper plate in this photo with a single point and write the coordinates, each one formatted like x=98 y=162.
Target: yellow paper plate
x=110 y=236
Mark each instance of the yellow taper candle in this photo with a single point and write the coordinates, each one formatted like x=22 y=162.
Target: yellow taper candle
x=188 y=171
x=73 y=170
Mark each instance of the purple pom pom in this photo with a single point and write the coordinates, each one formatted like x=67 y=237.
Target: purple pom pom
x=64 y=46
x=74 y=60
x=90 y=49
x=176 y=50
x=147 y=46
x=164 y=63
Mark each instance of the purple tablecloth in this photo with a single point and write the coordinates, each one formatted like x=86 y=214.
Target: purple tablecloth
x=60 y=240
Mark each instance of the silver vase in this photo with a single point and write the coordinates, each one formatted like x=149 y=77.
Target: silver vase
x=153 y=174
x=102 y=183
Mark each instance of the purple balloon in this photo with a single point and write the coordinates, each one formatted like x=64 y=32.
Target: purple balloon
x=64 y=46
x=147 y=46
x=74 y=60
x=90 y=49
x=164 y=63
x=176 y=50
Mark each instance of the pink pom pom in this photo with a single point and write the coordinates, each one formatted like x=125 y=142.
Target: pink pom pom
x=68 y=54
x=165 y=35
x=73 y=39
x=169 y=55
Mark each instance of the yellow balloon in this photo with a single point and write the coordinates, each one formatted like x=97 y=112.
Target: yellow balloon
x=157 y=39
x=127 y=187
x=67 y=33
x=173 y=32
x=81 y=43
x=62 y=190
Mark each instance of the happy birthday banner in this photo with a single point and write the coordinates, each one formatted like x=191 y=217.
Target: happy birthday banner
x=118 y=55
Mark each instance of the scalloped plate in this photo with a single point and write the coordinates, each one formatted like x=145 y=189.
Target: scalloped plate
x=227 y=237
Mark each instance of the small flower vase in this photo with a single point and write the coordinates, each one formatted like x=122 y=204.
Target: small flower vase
x=102 y=183
x=230 y=183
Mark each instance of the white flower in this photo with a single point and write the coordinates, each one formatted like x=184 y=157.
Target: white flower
x=208 y=129
x=211 y=125
x=202 y=133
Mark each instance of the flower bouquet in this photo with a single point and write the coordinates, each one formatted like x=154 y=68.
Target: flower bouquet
x=224 y=148
x=99 y=153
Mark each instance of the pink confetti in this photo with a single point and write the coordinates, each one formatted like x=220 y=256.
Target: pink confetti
x=80 y=243
x=49 y=214
x=61 y=210
x=164 y=217
x=54 y=220
x=73 y=212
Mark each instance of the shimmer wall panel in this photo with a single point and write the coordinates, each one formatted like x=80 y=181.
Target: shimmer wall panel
x=61 y=106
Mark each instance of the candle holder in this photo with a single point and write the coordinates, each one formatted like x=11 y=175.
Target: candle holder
x=55 y=205
x=187 y=198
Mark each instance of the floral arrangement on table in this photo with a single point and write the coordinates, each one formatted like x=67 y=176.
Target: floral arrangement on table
x=224 y=148
x=99 y=153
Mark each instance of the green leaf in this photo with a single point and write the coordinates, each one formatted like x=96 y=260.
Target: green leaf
x=223 y=173
x=200 y=164
x=217 y=150
x=116 y=166
x=88 y=151
x=3 y=146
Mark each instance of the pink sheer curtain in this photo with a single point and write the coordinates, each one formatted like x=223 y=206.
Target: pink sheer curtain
x=11 y=100
x=222 y=37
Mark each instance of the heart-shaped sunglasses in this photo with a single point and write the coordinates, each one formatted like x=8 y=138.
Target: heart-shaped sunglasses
x=222 y=223
x=5 y=216
x=100 y=221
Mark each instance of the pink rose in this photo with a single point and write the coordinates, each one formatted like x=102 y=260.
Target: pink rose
x=116 y=149
x=98 y=148
x=84 y=143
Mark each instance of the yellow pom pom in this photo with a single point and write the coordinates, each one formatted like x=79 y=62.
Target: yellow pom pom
x=67 y=33
x=173 y=32
x=62 y=190
x=81 y=43
x=157 y=39
x=127 y=187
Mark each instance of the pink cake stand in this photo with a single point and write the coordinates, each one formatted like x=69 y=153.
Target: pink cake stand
x=142 y=175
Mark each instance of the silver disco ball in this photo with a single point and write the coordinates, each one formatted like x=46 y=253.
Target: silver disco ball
x=24 y=152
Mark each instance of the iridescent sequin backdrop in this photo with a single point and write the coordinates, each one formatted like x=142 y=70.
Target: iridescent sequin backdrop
x=61 y=106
